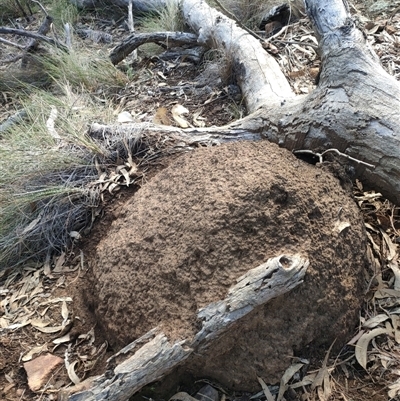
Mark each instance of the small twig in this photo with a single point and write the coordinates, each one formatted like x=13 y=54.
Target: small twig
x=291 y=42
x=12 y=60
x=321 y=156
x=347 y=157
x=68 y=35
x=284 y=28
x=131 y=27
x=22 y=32
x=29 y=8
x=393 y=13
x=9 y=43
x=34 y=43
x=233 y=16
x=41 y=6
x=130 y=17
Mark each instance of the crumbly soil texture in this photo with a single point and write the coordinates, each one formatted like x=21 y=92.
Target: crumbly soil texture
x=184 y=238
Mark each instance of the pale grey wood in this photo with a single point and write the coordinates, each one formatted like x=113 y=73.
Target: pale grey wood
x=354 y=109
x=133 y=41
x=153 y=356
x=256 y=71
x=258 y=286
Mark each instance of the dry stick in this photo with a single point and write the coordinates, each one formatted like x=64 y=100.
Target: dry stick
x=33 y=45
x=130 y=17
x=321 y=156
x=68 y=35
x=233 y=16
x=132 y=42
x=29 y=8
x=9 y=43
x=22 y=10
x=131 y=27
x=291 y=42
x=347 y=157
x=22 y=32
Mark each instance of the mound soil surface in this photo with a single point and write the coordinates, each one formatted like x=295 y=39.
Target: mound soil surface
x=184 y=238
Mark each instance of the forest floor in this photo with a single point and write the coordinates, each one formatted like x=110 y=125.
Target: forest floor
x=40 y=309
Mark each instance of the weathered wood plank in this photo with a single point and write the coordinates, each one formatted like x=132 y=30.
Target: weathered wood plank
x=152 y=356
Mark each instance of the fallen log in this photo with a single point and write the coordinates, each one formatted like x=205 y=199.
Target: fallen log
x=153 y=355
x=354 y=108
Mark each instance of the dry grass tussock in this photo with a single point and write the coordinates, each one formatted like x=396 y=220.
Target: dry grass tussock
x=47 y=160
x=166 y=19
x=250 y=13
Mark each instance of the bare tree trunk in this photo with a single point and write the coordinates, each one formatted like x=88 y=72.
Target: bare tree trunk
x=356 y=106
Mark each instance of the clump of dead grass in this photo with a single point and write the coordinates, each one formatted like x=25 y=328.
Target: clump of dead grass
x=62 y=11
x=44 y=177
x=83 y=68
x=47 y=161
x=79 y=68
x=168 y=18
x=10 y=9
x=251 y=13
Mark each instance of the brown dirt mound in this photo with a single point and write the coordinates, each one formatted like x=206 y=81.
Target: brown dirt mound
x=213 y=214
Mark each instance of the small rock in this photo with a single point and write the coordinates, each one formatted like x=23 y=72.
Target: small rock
x=40 y=369
x=207 y=393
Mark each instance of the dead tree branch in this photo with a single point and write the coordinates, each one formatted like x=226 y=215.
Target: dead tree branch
x=168 y=39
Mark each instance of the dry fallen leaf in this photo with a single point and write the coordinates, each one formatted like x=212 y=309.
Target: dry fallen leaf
x=64 y=339
x=64 y=311
x=33 y=352
x=394 y=389
x=40 y=323
x=361 y=351
x=341 y=226
x=71 y=373
x=125 y=117
x=182 y=396
x=266 y=391
x=375 y=321
x=59 y=263
x=198 y=121
x=290 y=371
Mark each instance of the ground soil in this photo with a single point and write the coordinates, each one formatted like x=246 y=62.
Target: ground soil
x=198 y=225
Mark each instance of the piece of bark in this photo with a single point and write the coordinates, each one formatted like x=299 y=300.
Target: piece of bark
x=94 y=35
x=12 y=120
x=207 y=393
x=152 y=356
x=34 y=43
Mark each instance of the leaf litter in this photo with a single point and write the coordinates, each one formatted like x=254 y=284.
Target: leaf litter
x=33 y=310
